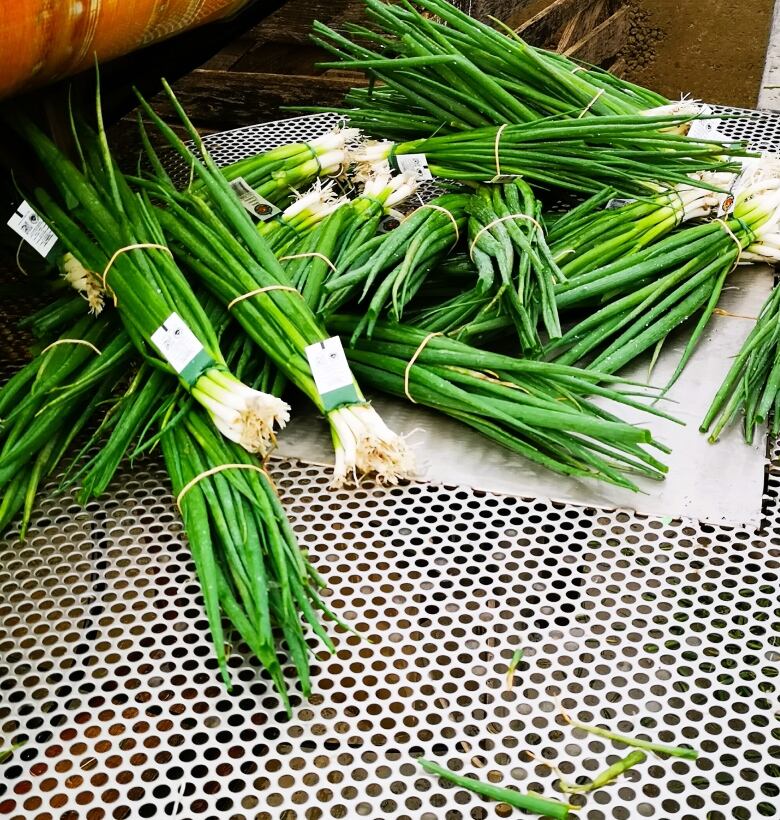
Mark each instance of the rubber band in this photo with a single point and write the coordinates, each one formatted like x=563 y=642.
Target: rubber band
x=313 y=253
x=721 y=312
x=449 y=214
x=258 y=291
x=578 y=68
x=724 y=225
x=19 y=257
x=71 y=342
x=413 y=360
x=125 y=250
x=213 y=471
x=495 y=152
x=590 y=104
x=316 y=158
x=495 y=222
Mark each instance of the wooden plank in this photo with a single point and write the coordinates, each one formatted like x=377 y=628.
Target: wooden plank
x=581 y=24
x=543 y=28
x=292 y=22
x=604 y=41
x=219 y=100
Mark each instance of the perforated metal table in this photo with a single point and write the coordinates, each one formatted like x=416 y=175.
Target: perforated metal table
x=666 y=629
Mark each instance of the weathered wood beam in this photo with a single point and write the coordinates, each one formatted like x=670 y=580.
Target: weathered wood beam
x=604 y=41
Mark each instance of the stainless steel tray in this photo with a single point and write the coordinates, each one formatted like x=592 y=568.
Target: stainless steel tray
x=663 y=628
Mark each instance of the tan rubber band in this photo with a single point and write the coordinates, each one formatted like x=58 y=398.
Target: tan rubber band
x=413 y=360
x=19 y=257
x=313 y=253
x=495 y=151
x=578 y=68
x=213 y=471
x=125 y=250
x=721 y=312
x=731 y=233
x=71 y=342
x=495 y=222
x=449 y=214
x=259 y=290
x=590 y=104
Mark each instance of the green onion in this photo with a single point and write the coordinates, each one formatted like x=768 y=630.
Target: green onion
x=535 y=804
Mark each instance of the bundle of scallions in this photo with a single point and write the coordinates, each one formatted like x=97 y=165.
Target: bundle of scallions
x=633 y=154
x=119 y=249
x=440 y=71
x=640 y=298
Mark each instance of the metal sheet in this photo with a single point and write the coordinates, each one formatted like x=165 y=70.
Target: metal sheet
x=666 y=631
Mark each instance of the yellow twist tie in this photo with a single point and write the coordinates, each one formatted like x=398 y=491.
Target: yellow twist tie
x=590 y=104
x=125 y=250
x=213 y=471
x=495 y=222
x=495 y=151
x=449 y=214
x=258 y=291
x=313 y=253
x=71 y=342
x=413 y=360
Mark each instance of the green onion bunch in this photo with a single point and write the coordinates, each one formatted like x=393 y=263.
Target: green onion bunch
x=217 y=241
x=287 y=229
x=752 y=385
x=251 y=569
x=117 y=242
x=591 y=236
x=277 y=174
x=392 y=267
x=442 y=71
x=507 y=243
x=633 y=154
x=637 y=300
x=47 y=403
x=537 y=409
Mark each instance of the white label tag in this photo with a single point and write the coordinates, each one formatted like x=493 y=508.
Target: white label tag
x=176 y=342
x=33 y=229
x=329 y=365
x=259 y=207
x=617 y=203
x=415 y=165
x=707 y=129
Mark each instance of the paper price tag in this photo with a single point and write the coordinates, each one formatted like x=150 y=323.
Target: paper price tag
x=258 y=206
x=33 y=229
x=331 y=373
x=415 y=165
x=707 y=129
x=181 y=348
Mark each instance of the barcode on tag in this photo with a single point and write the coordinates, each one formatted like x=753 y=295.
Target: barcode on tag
x=33 y=229
x=415 y=165
x=331 y=373
x=259 y=207
x=181 y=348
